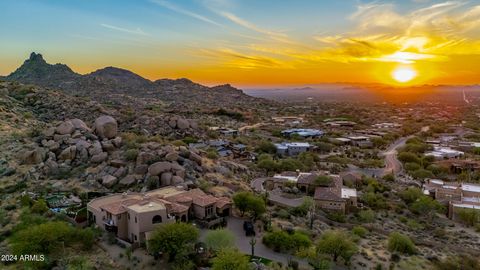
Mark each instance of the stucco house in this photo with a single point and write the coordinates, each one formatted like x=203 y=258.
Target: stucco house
x=133 y=216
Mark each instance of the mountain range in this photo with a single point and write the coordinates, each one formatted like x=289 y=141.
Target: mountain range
x=114 y=85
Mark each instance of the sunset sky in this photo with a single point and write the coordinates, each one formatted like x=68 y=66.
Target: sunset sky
x=251 y=43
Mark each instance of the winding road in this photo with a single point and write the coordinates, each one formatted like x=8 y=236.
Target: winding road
x=392 y=164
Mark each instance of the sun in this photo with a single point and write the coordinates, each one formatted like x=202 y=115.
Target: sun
x=404 y=74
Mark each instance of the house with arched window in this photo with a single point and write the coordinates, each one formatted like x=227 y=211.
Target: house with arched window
x=133 y=216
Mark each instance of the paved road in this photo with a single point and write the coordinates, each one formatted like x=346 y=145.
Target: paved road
x=257 y=125
x=392 y=164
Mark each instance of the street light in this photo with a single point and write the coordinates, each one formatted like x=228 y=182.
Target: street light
x=253 y=242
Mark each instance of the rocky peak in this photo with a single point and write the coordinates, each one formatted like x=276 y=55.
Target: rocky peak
x=36 y=70
x=36 y=57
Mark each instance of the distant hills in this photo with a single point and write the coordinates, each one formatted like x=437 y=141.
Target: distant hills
x=356 y=92
x=113 y=84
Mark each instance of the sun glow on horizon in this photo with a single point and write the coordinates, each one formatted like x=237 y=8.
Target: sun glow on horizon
x=404 y=74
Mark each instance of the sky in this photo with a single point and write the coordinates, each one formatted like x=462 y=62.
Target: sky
x=251 y=43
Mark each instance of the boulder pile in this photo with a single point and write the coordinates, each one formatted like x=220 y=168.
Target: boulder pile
x=98 y=152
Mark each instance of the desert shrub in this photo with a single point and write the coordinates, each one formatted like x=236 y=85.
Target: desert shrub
x=374 y=200
x=283 y=214
x=212 y=154
x=398 y=242
x=469 y=217
x=131 y=154
x=281 y=241
x=359 y=231
x=461 y=262
x=337 y=217
x=366 y=216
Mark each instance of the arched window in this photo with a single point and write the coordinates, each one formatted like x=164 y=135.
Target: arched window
x=157 y=219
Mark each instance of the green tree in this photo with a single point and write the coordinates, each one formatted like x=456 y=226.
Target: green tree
x=256 y=206
x=39 y=207
x=240 y=200
x=374 y=200
x=398 y=242
x=219 y=240
x=269 y=165
x=266 y=147
x=48 y=238
x=324 y=147
x=410 y=194
x=290 y=164
x=323 y=181
x=230 y=259
x=300 y=240
x=408 y=157
x=173 y=239
x=426 y=206
x=247 y=202
x=389 y=177
x=279 y=241
x=337 y=244
x=422 y=174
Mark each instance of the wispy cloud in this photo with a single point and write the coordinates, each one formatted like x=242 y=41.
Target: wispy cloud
x=249 y=25
x=186 y=12
x=425 y=34
x=137 y=31
x=431 y=33
x=236 y=59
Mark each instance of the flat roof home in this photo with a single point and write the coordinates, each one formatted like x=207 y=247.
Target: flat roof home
x=341 y=124
x=304 y=181
x=386 y=125
x=456 y=195
x=360 y=141
x=290 y=120
x=133 y=216
x=302 y=132
x=292 y=148
x=444 y=153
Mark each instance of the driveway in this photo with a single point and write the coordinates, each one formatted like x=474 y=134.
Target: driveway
x=274 y=197
x=257 y=184
x=235 y=225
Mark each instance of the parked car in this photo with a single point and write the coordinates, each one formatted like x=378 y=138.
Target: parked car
x=249 y=228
